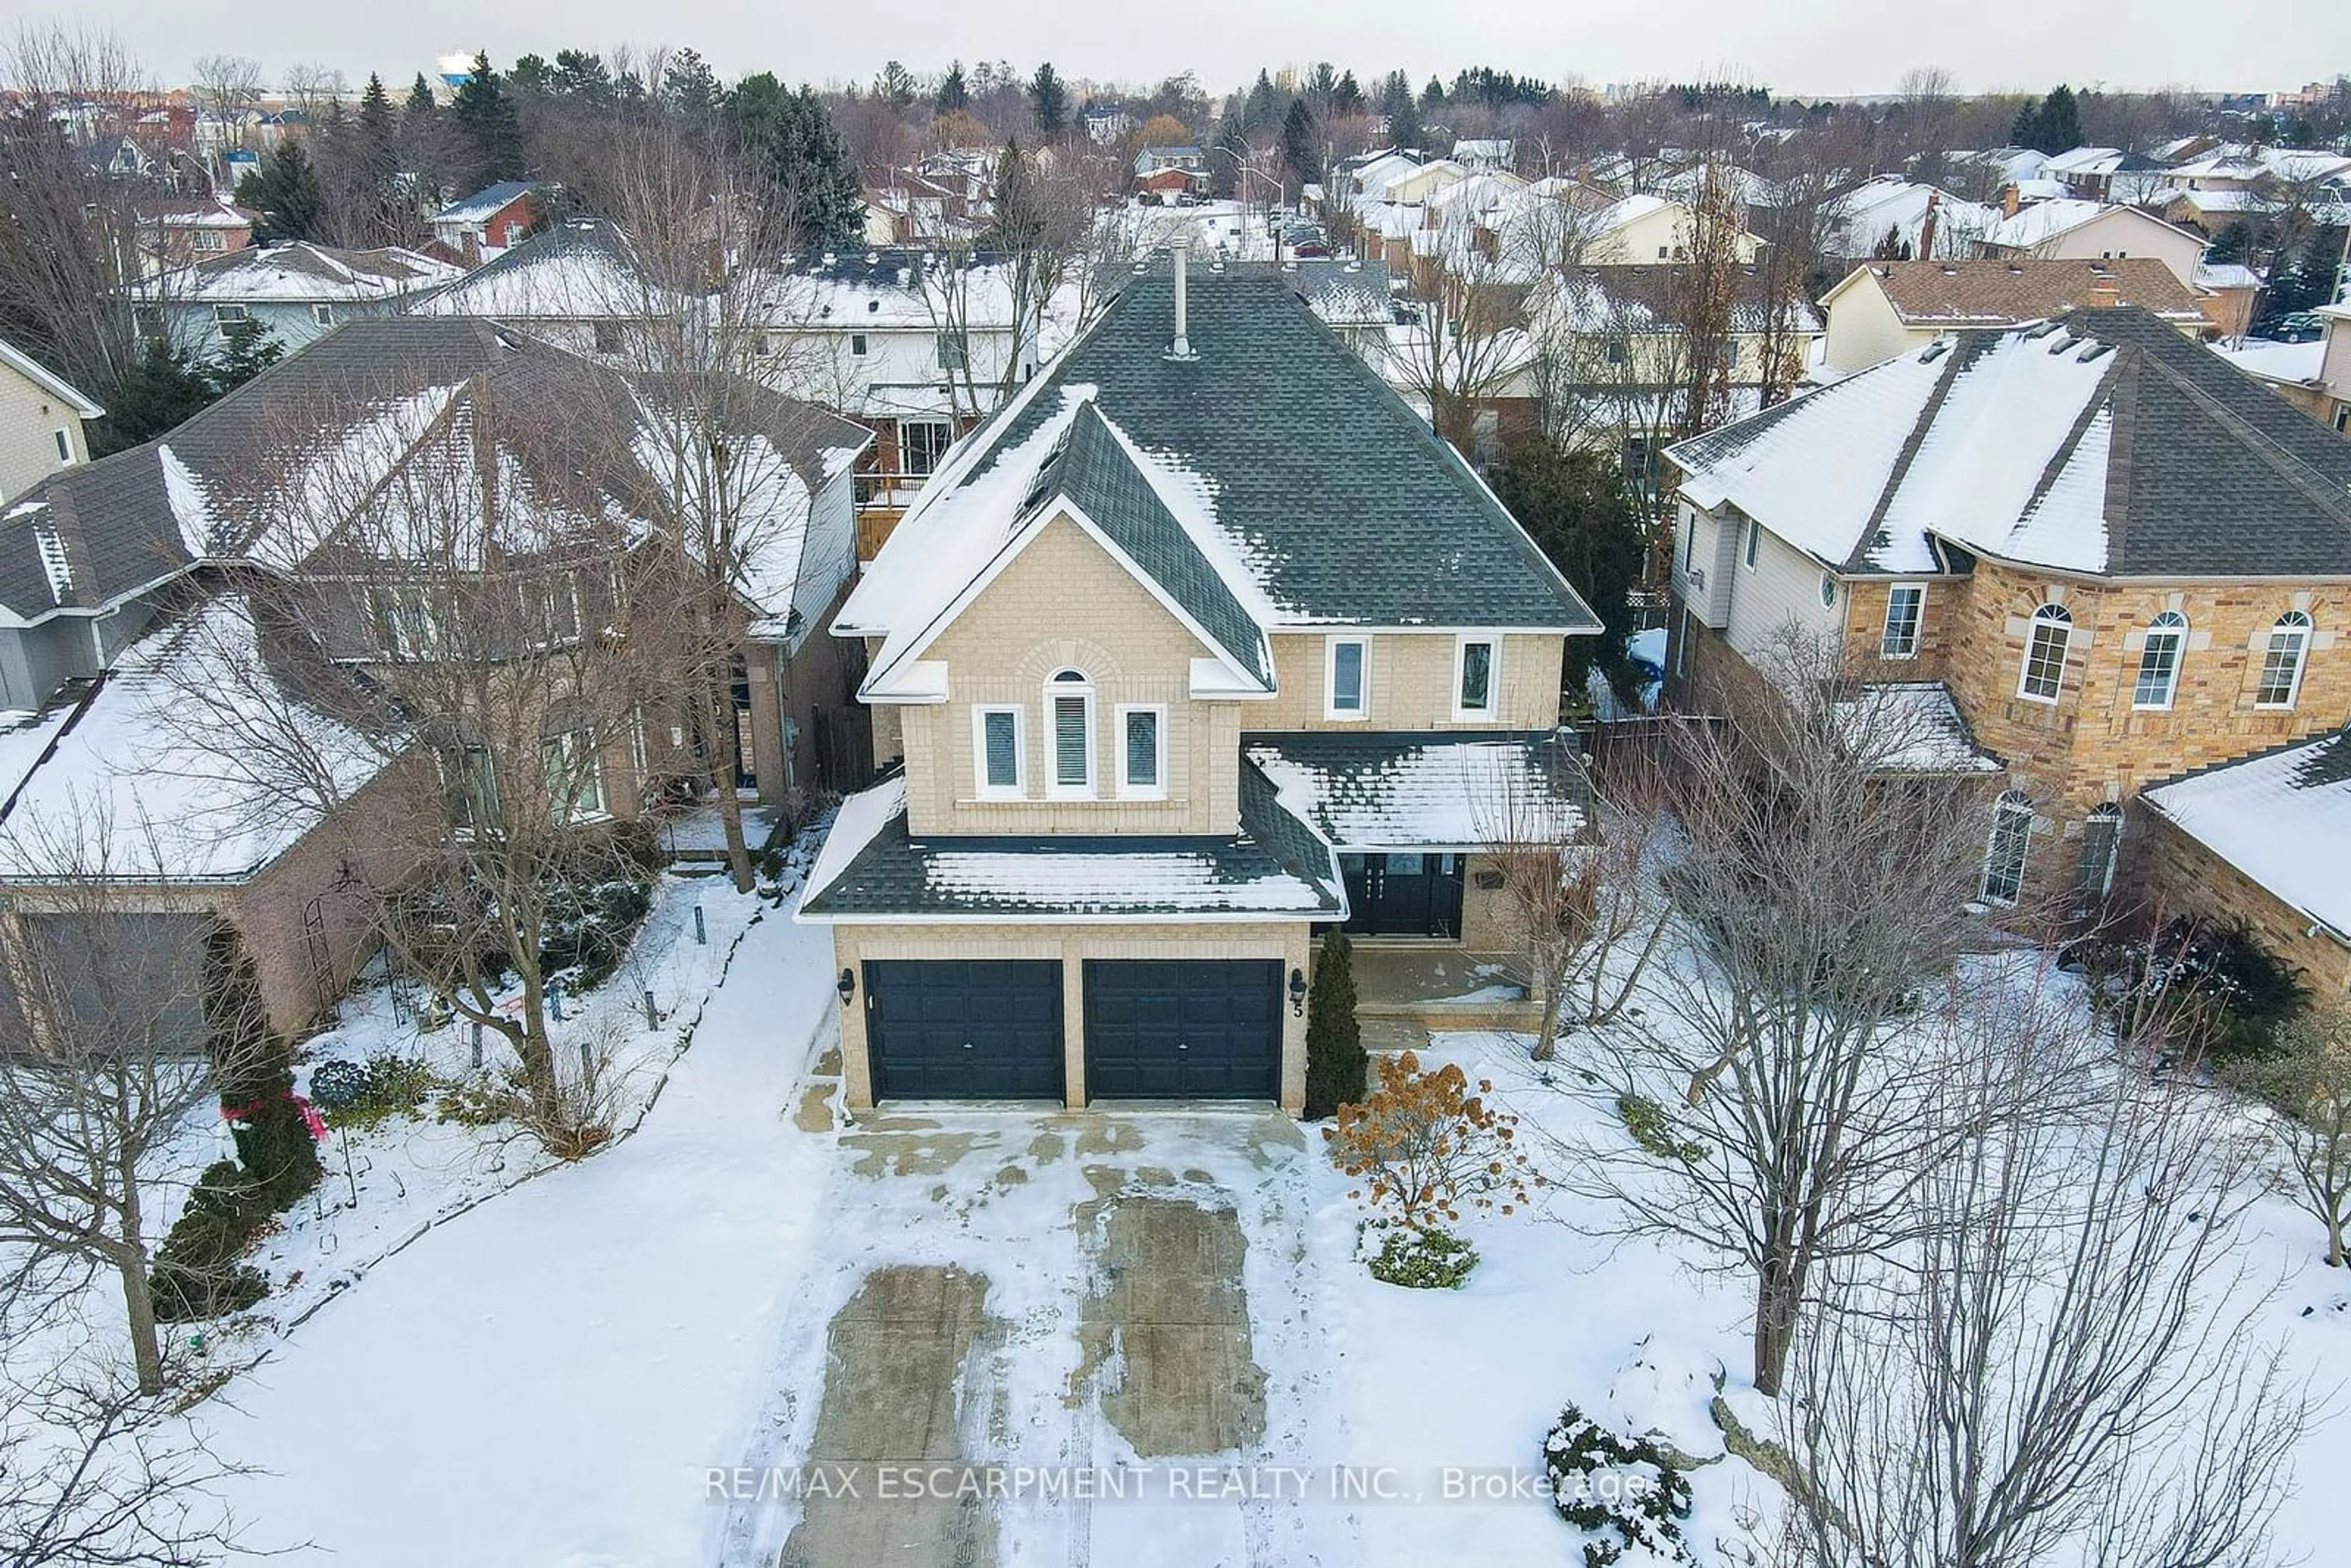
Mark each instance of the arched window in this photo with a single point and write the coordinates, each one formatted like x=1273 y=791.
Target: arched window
x=2159 y=661
x=2102 y=840
x=2282 y=660
x=2011 y=838
x=2044 y=655
x=1069 y=697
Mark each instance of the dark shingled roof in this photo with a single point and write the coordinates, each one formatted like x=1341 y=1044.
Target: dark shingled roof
x=896 y=876
x=1345 y=502
x=1401 y=790
x=1093 y=471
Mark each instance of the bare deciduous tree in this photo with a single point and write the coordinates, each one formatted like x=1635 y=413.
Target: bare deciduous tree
x=2307 y=1085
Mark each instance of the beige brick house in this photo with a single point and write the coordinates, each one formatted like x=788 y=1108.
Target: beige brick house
x=1204 y=644
x=41 y=420
x=2122 y=558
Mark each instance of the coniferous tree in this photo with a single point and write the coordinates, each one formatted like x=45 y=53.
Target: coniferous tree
x=255 y=1069
x=1228 y=158
x=247 y=350
x=1257 y=112
x=1301 y=147
x=1050 y=99
x=953 y=94
x=286 y=189
x=1335 y=1063
x=1347 y=97
x=489 y=131
x=799 y=152
x=690 y=84
x=1574 y=506
x=2053 y=126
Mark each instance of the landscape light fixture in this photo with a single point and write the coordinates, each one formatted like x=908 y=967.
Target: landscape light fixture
x=846 y=986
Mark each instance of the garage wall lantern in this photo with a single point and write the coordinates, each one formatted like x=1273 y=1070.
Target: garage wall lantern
x=848 y=986
x=1297 y=993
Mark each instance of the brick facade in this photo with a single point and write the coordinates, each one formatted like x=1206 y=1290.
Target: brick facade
x=2171 y=872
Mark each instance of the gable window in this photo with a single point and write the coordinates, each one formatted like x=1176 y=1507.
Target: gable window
x=65 y=446
x=608 y=337
x=1905 y=607
x=1143 y=733
x=406 y=624
x=1689 y=540
x=1754 y=541
x=575 y=773
x=551 y=607
x=2044 y=655
x=2011 y=839
x=1071 y=698
x=324 y=315
x=1347 y=685
x=230 y=315
x=2282 y=660
x=2159 y=661
x=955 y=352
x=922 y=444
x=1474 y=677
x=997 y=742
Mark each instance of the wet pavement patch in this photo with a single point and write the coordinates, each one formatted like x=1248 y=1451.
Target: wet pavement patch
x=1166 y=1332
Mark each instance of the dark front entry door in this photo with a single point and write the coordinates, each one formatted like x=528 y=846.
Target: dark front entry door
x=1403 y=894
x=1186 y=1028
x=964 y=1029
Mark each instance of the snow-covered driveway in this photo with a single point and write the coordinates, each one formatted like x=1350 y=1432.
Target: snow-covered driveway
x=542 y=1383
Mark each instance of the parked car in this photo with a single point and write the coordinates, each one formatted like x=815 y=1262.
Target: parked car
x=2299 y=327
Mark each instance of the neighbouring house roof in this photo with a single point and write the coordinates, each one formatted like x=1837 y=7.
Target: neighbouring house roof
x=2283 y=818
x=300 y=272
x=2104 y=442
x=1864 y=216
x=581 y=270
x=1368 y=790
x=262 y=475
x=1632 y=297
x=484 y=204
x=131 y=786
x=2220 y=275
x=1912 y=727
x=1997 y=292
x=1346 y=293
x=1316 y=494
x=196 y=212
x=894 y=287
x=2295 y=364
x=48 y=380
x=873 y=868
x=2044 y=221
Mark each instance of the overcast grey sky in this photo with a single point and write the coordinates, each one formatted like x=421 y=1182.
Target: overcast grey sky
x=1797 y=46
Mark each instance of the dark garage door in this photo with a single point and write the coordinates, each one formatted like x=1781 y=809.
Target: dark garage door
x=1185 y=1029
x=964 y=1029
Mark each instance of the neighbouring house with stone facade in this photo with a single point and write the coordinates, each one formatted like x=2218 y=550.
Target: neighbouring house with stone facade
x=1204 y=644
x=41 y=417
x=2124 y=560
x=179 y=567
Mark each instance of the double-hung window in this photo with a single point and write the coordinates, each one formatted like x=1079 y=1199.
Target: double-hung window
x=575 y=774
x=1754 y=540
x=2159 y=661
x=2011 y=840
x=2044 y=676
x=1347 y=686
x=1905 y=607
x=2282 y=658
x=996 y=748
x=1142 y=753
x=1070 y=699
x=1477 y=675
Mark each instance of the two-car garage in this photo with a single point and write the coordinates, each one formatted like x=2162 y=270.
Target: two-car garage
x=1150 y=1028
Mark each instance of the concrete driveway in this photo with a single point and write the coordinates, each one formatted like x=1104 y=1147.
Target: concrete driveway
x=1027 y=1334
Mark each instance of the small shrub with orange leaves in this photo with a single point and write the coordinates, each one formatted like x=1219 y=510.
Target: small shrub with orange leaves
x=1426 y=1148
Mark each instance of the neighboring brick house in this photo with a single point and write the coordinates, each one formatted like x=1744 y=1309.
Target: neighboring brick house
x=1882 y=309
x=105 y=567
x=489 y=223
x=41 y=418
x=1204 y=644
x=2123 y=559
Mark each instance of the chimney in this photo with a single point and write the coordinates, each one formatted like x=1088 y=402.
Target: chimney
x=2008 y=203
x=1926 y=227
x=2105 y=290
x=1181 y=349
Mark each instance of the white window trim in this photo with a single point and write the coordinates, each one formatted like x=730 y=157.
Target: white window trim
x=1127 y=789
x=230 y=315
x=2301 y=636
x=2001 y=809
x=1331 y=708
x=1493 y=707
x=2024 y=667
x=981 y=789
x=1754 y=544
x=2177 y=636
x=322 y=315
x=1918 y=625
x=1054 y=789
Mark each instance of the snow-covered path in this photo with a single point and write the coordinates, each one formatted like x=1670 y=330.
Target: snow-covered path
x=541 y=1387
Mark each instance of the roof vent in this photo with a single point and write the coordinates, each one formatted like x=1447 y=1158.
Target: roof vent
x=2038 y=331
x=871 y=257
x=873 y=304
x=2064 y=341
x=1934 y=351
x=2093 y=351
x=1181 y=348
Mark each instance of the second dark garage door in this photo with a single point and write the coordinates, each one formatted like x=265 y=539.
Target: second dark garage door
x=1182 y=1028
x=964 y=1029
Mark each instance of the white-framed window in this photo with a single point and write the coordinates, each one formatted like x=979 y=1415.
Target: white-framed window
x=2282 y=658
x=1754 y=541
x=2102 y=842
x=230 y=315
x=323 y=314
x=2159 y=661
x=1346 y=677
x=1070 y=704
x=998 y=749
x=147 y=321
x=1476 y=677
x=551 y=607
x=470 y=780
x=2011 y=841
x=1828 y=591
x=65 y=446
x=857 y=344
x=1906 y=610
x=2043 y=675
x=1689 y=540
x=405 y=619
x=955 y=352
x=1681 y=648
x=575 y=773
x=922 y=443
x=1142 y=752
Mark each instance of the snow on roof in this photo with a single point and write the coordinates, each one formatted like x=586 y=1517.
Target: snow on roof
x=2044 y=221
x=2226 y=274
x=2293 y=364
x=2282 y=819
x=1911 y=727
x=24 y=736
x=897 y=288
x=483 y=203
x=132 y=791
x=1416 y=791
x=580 y=271
x=298 y=271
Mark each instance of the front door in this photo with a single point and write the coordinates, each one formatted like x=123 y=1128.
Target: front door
x=1403 y=894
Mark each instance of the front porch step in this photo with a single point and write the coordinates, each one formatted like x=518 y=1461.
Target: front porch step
x=1517 y=1014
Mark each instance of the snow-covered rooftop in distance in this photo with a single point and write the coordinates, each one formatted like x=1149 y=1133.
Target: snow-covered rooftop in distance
x=2293 y=364
x=300 y=272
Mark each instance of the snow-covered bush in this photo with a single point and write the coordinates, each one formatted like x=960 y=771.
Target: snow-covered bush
x=1420 y=1258
x=1625 y=1490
